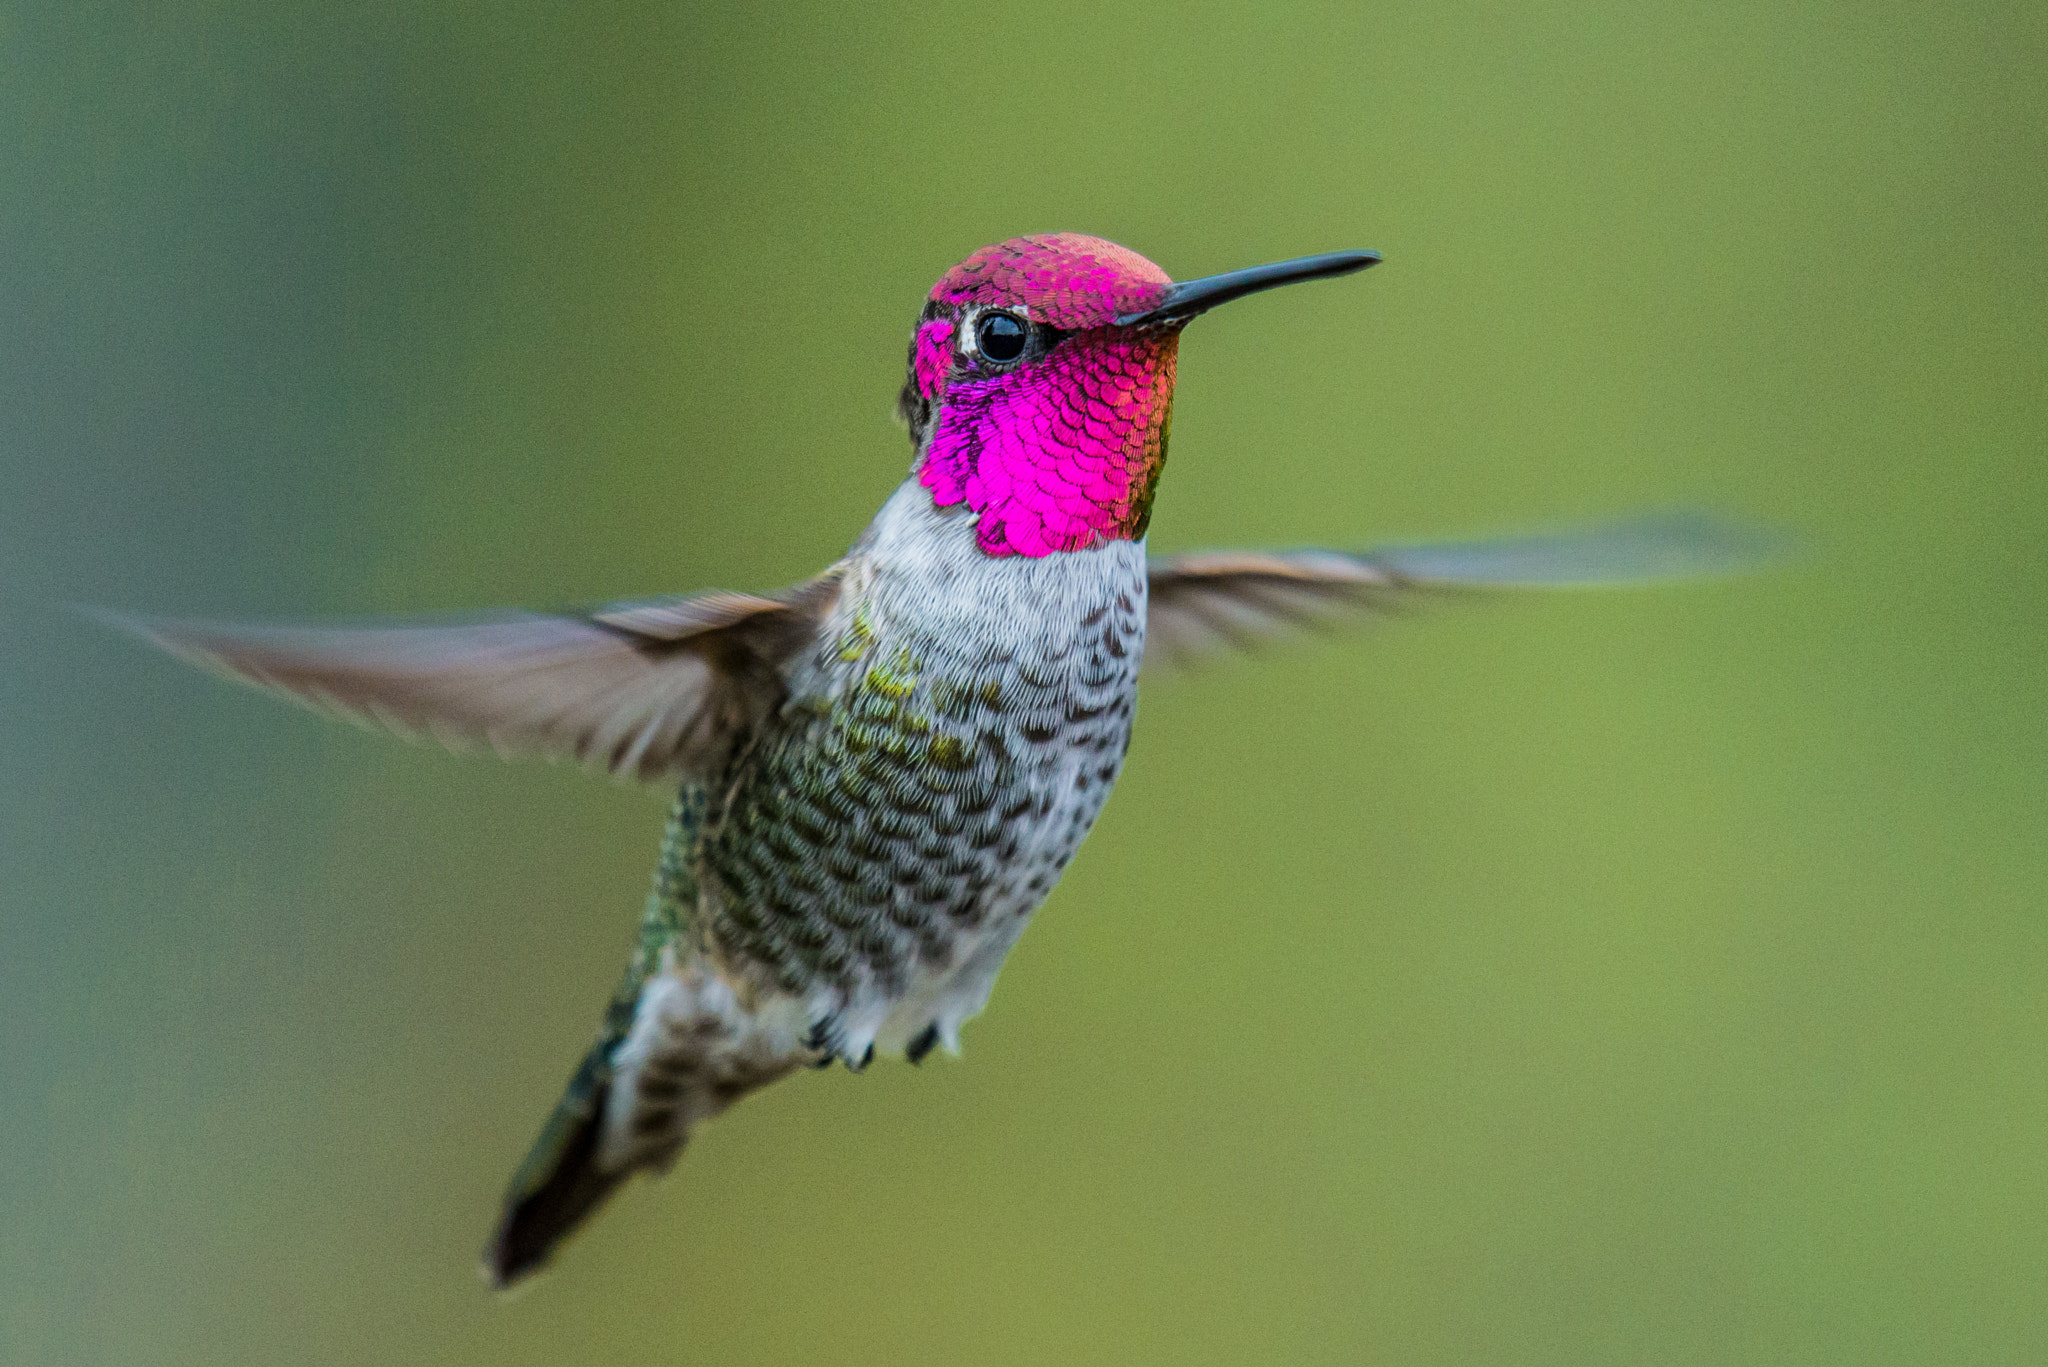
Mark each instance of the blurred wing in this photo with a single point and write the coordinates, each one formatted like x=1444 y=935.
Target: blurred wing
x=1204 y=602
x=648 y=689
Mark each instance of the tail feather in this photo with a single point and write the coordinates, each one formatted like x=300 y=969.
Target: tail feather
x=687 y=1051
x=561 y=1182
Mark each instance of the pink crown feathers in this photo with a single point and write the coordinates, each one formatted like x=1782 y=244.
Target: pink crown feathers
x=1069 y=280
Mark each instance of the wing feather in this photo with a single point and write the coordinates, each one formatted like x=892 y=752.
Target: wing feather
x=1213 y=599
x=645 y=690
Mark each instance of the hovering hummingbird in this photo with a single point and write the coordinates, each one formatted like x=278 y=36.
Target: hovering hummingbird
x=883 y=770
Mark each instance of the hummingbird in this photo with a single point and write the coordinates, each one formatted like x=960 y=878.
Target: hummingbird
x=882 y=771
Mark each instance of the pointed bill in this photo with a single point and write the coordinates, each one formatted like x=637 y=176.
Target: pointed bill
x=1190 y=297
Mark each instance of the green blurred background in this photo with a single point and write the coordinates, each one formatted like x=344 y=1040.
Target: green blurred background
x=1655 y=977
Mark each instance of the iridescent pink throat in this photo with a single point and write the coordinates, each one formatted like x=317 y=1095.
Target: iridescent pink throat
x=1061 y=454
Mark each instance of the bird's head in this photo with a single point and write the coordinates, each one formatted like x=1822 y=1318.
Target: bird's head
x=1041 y=384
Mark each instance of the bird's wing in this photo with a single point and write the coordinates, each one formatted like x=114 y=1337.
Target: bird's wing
x=1213 y=600
x=647 y=689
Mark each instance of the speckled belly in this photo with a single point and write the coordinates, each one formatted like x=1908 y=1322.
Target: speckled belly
x=923 y=788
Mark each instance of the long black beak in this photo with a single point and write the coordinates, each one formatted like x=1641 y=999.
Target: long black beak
x=1190 y=297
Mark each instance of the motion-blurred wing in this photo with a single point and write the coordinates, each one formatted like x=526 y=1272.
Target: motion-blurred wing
x=646 y=689
x=1207 y=601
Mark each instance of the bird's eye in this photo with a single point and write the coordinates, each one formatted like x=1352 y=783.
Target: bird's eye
x=1000 y=336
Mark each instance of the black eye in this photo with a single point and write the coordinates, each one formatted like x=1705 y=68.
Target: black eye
x=1000 y=336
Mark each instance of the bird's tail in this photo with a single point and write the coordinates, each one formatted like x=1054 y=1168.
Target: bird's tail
x=562 y=1180
x=689 y=1051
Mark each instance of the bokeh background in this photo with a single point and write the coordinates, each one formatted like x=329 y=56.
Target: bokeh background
x=1650 y=977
